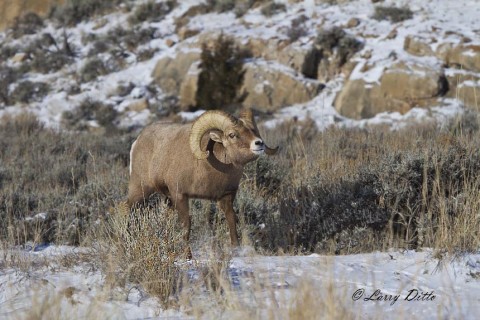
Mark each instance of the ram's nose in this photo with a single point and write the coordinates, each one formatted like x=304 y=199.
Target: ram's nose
x=257 y=146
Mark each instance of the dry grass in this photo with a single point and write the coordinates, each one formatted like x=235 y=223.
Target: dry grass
x=339 y=191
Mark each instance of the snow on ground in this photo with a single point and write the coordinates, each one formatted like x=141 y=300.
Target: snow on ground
x=390 y=284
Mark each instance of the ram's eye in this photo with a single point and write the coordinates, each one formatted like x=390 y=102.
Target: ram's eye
x=231 y=135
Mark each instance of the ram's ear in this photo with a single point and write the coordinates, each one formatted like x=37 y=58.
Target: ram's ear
x=216 y=136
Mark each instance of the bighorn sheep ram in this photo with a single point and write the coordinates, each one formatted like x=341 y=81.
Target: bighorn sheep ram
x=181 y=161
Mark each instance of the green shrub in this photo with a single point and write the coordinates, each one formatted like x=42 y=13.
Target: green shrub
x=221 y=67
x=393 y=14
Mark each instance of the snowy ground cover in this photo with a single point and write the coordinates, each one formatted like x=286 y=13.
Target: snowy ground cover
x=393 y=285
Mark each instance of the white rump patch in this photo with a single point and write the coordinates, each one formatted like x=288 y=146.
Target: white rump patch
x=131 y=154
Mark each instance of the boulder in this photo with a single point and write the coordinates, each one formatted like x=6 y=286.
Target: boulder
x=418 y=46
x=269 y=87
x=413 y=81
x=464 y=86
x=170 y=72
x=189 y=87
x=303 y=59
x=361 y=100
x=464 y=56
x=400 y=88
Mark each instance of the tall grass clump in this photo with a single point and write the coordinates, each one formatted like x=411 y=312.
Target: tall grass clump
x=143 y=247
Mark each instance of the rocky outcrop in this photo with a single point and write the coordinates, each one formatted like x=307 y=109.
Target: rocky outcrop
x=189 y=87
x=464 y=86
x=11 y=9
x=361 y=100
x=269 y=87
x=462 y=56
x=401 y=87
x=413 y=81
x=303 y=59
x=170 y=72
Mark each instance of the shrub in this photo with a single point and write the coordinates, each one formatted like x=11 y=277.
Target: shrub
x=221 y=5
x=366 y=190
x=273 y=8
x=28 y=91
x=152 y=11
x=8 y=76
x=76 y=11
x=329 y=40
x=297 y=28
x=45 y=59
x=221 y=67
x=90 y=110
x=147 y=243
x=92 y=69
x=393 y=14
x=240 y=7
x=27 y=24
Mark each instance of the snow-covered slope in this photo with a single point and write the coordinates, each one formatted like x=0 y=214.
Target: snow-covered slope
x=441 y=20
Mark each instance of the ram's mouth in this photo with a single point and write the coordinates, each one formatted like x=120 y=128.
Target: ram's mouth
x=258 y=151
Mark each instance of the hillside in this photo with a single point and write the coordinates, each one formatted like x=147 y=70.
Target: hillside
x=347 y=63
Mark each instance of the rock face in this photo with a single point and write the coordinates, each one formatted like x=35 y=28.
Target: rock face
x=10 y=9
x=413 y=82
x=303 y=59
x=268 y=87
x=462 y=56
x=465 y=86
x=401 y=87
x=189 y=87
x=170 y=72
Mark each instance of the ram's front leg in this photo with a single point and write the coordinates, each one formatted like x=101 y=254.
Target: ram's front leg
x=180 y=203
x=226 y=205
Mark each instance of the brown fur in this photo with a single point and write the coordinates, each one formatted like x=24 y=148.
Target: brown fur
x=162 y=161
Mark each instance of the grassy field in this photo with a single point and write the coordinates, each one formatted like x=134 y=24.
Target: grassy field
x=341 y=191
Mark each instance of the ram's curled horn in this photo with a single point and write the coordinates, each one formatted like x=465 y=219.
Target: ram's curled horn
x=209 y=120
x=247 y=117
